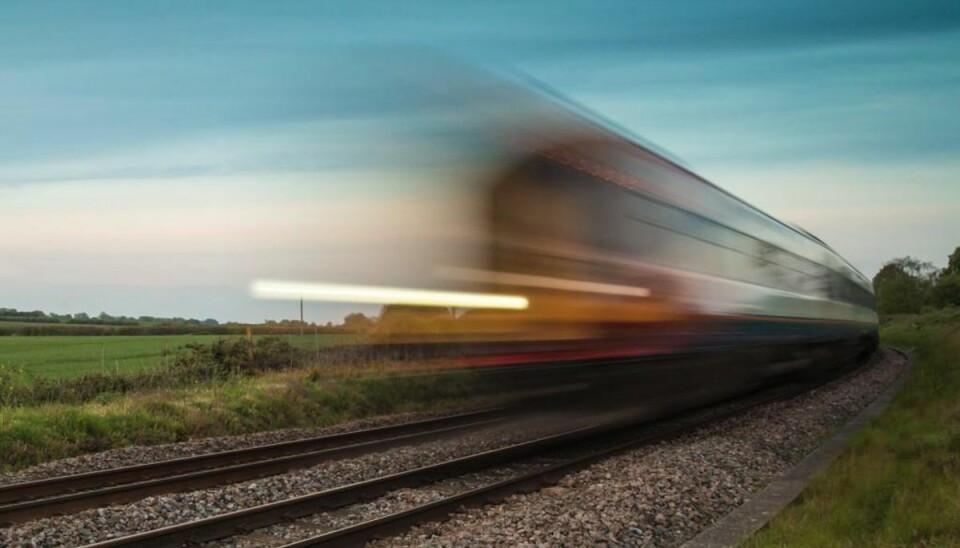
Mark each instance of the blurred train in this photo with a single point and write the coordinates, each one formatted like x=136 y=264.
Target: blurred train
x=616 y=266
x=624 y=256
x=620 y=251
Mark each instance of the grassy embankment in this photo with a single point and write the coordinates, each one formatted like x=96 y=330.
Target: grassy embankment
x=72 y=356
x=207 y=390
x=898 y=482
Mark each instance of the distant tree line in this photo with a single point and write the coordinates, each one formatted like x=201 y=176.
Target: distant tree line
x=906 y=285
x=82 y=318
x=38 y=322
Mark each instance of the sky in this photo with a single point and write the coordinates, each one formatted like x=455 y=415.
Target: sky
x=154 y=156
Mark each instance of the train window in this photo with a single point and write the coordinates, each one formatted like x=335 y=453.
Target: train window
x=741 y=267
x=683 y=239
x=702 y=256
x=730 y=264
x=699 y=228
x=664 y=216
x=641 y=238
x=723 y=237
x=674 y=250
x=612 y=229
x=776 y=276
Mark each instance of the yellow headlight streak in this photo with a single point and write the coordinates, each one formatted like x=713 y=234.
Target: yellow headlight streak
x=542 y=281
x=308 y=291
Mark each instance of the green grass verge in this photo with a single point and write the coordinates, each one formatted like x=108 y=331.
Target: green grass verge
x=73 y=356
x=898 y=482
x=309 y=397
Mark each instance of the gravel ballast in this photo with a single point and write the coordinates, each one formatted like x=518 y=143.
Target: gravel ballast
x=665 y=494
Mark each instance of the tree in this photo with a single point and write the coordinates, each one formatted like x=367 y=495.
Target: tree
x=947 y=290
x=903 y=285
x=953 y=263
x=898 y=293
x=357 y=321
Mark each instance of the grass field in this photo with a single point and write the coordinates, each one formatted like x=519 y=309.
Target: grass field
x=72 y=356
x=898 y=483
x=315 y=396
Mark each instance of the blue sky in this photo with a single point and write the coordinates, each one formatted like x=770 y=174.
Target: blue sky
x=840 y=116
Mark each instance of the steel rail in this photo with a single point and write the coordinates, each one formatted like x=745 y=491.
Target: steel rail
x=78 y=492
x=241 y=521
x=358 y=534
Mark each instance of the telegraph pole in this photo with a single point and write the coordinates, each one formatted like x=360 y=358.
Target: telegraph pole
x=301 y=315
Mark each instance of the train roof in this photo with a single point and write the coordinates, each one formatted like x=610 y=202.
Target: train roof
x=633 y=139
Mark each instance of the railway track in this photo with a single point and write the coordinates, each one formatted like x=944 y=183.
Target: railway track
x=540 y=477
x=565 y=452
x=41 y=498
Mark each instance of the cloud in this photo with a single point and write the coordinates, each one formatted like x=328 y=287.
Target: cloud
x=872 y=102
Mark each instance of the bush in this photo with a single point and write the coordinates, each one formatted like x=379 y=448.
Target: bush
x=947 y=291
